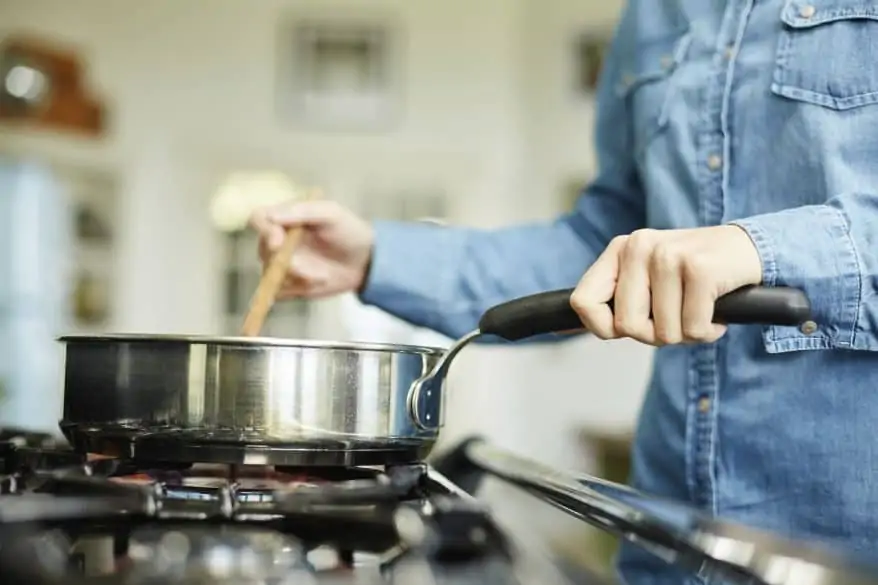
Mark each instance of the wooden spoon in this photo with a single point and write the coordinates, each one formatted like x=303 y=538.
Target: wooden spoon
x=272 y=280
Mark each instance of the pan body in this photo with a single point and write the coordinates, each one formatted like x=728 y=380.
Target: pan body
x=244 y=400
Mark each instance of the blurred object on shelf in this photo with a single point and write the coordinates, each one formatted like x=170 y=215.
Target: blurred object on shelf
x=91 y=299
x=588 y=58
x=94 y=196
x=44 y=86
x=90 y=226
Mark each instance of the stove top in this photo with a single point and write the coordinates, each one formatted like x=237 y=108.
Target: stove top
x=69 y=518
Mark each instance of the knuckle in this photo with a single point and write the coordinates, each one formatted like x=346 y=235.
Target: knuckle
x=578 y=303
x=640 y=244
x=643 y=233
x=695 y=266
x=584 y=310
x=618 y=241
x=697 y=332
x=665 y=258
x=602 y=334
x=624 y=326
x=666 y=337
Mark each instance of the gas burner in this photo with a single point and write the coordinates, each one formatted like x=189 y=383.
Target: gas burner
x=179 y=522
x=187 y=446
x=208 y=523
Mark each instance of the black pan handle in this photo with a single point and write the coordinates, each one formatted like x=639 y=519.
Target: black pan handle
x=550 y=312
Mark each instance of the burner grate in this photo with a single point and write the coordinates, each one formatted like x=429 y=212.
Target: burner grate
x=165 y=520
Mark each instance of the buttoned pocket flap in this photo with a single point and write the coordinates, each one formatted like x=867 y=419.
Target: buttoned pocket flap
x=804 y=14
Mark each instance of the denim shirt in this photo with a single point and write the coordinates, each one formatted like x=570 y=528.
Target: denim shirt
x=763 y=113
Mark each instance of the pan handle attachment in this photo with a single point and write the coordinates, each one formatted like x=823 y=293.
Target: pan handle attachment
x=550 y=312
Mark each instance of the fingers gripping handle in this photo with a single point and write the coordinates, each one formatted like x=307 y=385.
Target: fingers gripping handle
x=550 y=312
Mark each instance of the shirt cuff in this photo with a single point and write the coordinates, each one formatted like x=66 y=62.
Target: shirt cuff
x=413 y=270
x=810 y=248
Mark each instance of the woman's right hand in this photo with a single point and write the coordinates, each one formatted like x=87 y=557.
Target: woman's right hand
x=334 y=254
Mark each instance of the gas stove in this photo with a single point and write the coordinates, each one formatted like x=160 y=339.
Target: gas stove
x=70 y=518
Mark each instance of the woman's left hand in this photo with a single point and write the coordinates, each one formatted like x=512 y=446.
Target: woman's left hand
x=664 y=283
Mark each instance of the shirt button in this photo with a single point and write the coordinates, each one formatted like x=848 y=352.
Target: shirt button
x=808 y=327
x=704 y=404
x=807 y=11
x=667 y=62
x=729 y=52
x=714 y=162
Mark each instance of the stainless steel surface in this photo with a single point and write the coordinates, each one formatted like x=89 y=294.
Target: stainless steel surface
x=426 y=399
x=248 y=390
x=713 y=548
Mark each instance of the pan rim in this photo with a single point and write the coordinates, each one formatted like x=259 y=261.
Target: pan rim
x=281 y=342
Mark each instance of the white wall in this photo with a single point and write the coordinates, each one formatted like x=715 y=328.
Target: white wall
x=488 y=112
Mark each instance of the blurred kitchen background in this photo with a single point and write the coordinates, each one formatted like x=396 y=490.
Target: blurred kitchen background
x=136 y=136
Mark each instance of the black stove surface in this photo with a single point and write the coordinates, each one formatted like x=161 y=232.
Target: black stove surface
x=67 y=518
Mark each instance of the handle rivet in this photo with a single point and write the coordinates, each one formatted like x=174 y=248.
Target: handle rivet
x=808 y=327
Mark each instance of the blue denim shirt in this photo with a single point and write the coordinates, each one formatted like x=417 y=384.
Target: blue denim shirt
x=759 y=112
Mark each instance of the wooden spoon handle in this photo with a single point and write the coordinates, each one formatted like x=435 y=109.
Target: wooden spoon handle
x=271 y=282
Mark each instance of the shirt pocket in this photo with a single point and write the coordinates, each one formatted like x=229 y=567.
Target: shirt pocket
x=646 y=83
x=827 y=54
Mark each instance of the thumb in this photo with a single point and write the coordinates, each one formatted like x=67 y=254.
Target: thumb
x=305 y=213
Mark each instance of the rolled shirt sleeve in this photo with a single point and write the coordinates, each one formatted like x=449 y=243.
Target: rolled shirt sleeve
x=830 y=251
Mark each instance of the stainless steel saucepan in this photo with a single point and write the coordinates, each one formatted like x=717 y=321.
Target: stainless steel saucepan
x=286 y=402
